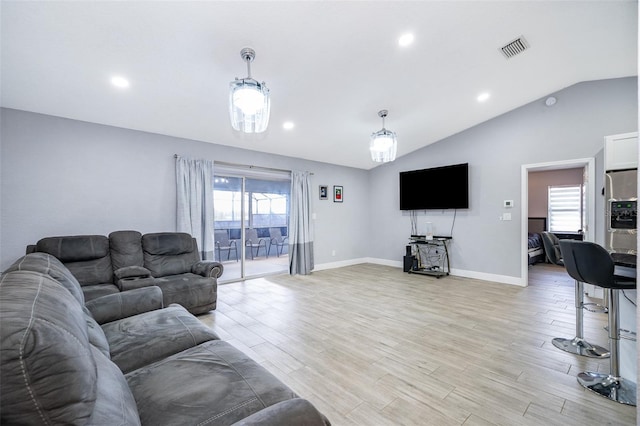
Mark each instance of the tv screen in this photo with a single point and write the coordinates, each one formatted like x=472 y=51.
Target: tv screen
x=436 y=188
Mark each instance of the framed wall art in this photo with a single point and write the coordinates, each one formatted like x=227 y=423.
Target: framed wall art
x=324 y=192
x=338 y=194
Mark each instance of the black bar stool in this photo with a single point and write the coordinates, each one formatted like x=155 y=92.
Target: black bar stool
x=578 y=345
x=590 y=263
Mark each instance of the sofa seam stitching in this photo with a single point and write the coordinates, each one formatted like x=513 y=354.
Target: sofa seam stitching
x=123 y=406
x=188 y=329
x=224 y=413
x=22 y=365
x=240 y=374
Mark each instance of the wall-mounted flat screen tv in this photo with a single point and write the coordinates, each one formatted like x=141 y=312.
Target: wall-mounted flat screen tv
x=436 y=188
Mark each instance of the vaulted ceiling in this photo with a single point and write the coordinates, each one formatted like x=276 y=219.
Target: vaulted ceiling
x=330 y=65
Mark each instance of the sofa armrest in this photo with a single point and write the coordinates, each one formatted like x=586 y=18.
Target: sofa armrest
x=127 y=284
x=132 y=272
x=116 y=306
x=295 y=411
x=132 y=277
x=208 y=269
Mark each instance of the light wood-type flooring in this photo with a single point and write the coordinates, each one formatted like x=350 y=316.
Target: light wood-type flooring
x=371 y=345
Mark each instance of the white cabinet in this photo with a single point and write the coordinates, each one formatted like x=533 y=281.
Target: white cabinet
x=621 y=151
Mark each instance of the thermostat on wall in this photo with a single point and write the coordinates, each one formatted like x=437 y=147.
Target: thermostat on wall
x=508 y=203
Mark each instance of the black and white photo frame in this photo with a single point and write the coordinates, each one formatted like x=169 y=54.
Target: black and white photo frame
x=324 y=192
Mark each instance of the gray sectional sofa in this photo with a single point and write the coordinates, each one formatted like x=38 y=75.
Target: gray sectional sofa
x=123 y=359
x=127 y=260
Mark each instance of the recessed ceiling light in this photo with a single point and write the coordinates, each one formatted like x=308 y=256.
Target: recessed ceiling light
x=288 y=125
x=120 y=82
x=405 y=39
x=482 y=97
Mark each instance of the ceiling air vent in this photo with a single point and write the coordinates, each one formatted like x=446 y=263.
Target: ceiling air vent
x=517 y=46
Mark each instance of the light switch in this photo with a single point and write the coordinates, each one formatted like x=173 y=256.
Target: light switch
x=506 y=216
x=508 y=203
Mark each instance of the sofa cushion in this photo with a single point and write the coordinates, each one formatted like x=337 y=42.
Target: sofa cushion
x=167 y=243
x=115 y=404
x=146 y=338
x=75 y=248
x=47 y=369
x=126 y=249
x=86 y=256
x=161 y=266
x=49 y=265
x=95 y=334
x=212 y=383
x=98 y=290
x=91 y=272
x=169 y=253
x=114 y=307
x=296 y=411
x=198 y=294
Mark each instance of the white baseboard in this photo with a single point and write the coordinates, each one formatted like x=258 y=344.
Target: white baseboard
x=503 y=279
x=351 y=262
x=339 y=264
x=385 y=262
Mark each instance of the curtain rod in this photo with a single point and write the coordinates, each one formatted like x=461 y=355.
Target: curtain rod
x=224 y=163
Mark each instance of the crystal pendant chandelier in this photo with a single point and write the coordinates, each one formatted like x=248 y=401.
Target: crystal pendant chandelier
x=383 y=145
x=249 y=103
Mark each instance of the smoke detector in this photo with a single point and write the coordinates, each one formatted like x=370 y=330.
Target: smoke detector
x=514 y=47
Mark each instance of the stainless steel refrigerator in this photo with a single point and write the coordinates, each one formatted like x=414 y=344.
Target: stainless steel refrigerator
x=621 y=198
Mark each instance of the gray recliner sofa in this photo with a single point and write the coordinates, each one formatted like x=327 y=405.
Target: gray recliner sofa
x=126 y=260
x=123 y=359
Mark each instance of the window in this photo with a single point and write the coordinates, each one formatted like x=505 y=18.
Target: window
x=227 y=201
x=269 y=209
x=227 y=206
x=565 y=208
x=244 y=198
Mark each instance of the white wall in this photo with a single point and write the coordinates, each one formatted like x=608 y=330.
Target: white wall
x=66 y=177
x=483 y=246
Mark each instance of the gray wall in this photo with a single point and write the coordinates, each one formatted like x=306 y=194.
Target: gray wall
x=66 y=177
x=495 y=150
x=62 y=177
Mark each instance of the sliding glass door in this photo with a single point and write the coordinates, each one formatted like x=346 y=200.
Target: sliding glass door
x=251 y=216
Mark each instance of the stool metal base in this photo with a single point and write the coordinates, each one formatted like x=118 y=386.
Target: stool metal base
x=580 y=346
x=614 y=388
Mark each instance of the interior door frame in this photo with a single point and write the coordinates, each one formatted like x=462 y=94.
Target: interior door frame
x=589 y=232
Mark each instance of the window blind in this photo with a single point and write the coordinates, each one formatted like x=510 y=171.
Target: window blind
x=565 y=208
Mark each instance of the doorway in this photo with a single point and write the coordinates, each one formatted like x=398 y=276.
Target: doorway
x=251 y=217
x=589 y=202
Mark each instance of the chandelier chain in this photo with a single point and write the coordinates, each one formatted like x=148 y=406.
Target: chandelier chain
x=382 y=114
x=248 y=54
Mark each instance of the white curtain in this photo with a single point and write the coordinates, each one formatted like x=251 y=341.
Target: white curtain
x=300 y=232
x=194 y=189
